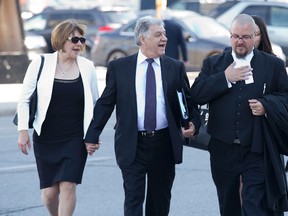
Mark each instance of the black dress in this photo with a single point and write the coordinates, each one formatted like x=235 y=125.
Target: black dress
x=60 y=150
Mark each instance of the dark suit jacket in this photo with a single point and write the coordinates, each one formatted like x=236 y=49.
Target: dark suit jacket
x=229 y=113
x=274 y=135
x=175 y=41
x=120 y=92
x=276 y=107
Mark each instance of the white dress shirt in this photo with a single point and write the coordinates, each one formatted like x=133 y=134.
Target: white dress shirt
x=140 y=85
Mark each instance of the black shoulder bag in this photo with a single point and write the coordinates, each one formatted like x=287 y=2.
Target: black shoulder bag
x=33 y=101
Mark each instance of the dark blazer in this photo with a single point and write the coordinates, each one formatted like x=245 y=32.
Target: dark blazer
x=120 y=92
x=274 y=136
x=276 y=107
x=229 y=113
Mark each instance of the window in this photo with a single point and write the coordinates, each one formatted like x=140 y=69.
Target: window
x=217 y=11
x=87 y=19
x=262 y=11
x=131 y=27
x=56 y=18
x=279 y=17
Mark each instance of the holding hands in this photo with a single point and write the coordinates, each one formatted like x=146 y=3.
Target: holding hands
x=190 y=131
x=92 y=147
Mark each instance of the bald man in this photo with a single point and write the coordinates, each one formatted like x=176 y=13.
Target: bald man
x=236 y=84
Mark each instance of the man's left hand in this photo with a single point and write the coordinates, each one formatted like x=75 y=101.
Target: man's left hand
x=256 y=107
x=190 y=131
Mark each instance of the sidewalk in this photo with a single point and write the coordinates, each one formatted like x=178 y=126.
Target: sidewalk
x=10 y=92
x=8 y=98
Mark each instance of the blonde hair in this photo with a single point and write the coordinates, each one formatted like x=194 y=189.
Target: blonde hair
x=63 y=30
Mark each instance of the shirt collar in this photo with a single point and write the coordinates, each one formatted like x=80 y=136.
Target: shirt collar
x=246 y=58
x=142 y=58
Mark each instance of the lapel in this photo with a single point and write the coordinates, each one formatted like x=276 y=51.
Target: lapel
x=228 y=58
x=165 y=67
x=259 y=67
x=83 y=69
x=221 y=62
x=130 y=78
x=46 y=80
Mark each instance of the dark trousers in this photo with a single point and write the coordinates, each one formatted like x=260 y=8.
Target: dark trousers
x=155 y=162
x=228 y=162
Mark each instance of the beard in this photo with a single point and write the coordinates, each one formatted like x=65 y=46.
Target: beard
x=241 y=54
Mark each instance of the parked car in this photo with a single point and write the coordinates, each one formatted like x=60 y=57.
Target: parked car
x=203 y=35
x=96 y=19
x=275 y=15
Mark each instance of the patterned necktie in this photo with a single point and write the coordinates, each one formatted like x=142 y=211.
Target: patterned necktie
x=150 y=98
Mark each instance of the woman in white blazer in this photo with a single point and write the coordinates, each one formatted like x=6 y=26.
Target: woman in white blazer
x=67 y=92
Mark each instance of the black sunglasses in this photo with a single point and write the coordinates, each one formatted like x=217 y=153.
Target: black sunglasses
x=75 y=39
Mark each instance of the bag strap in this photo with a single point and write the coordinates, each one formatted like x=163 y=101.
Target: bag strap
x=41 y=66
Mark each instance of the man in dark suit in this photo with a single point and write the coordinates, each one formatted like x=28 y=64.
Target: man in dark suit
x=234 y=83
x=176 y=41
x=144 y=151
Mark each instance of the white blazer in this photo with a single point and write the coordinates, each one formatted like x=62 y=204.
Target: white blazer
x=45 y=86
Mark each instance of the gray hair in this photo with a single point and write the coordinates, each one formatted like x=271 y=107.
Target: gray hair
x=142 y=27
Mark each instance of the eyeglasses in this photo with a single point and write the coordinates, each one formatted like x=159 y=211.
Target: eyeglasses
x=244 y=37
x=75 y=39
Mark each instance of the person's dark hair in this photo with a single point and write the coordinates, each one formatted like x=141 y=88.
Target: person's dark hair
x=265 y=44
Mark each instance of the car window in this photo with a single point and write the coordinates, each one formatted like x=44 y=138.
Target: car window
x=130 y=28
x=279 y=16
x=178 y=6
x=212 y=28
x=262 y=11
x=218 y=10
x=56 y=18
x=194 y=6
x=83 y=18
